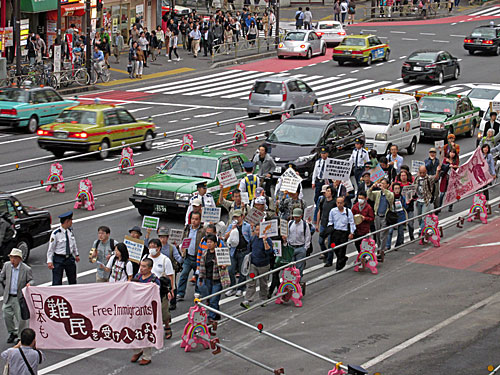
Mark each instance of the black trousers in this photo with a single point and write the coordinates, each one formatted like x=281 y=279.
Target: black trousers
x=61 y=264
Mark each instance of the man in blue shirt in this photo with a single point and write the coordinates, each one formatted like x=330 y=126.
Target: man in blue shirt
x=98 y=59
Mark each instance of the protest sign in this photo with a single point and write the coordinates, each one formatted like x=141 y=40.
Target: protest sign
x=150 y=222
x=210 y=214
x=185 y=243
x=376 y=173
x=269 y=228
x=290 y=172
x=228 y=178
x=308 y=213
x=438 y=144
x=290 y=184
x=102 y=315
x=135 y=248
x=244 y=197
x=494 y=107
x=277 y=248
x=415 y=165
x=254 y=216
x=283 y=227
x=223 y=256
x=348 y=185
x=175 y=236
x=337 y=169
x=408 y=192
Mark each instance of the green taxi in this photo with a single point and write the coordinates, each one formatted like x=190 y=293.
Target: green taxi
x=29 y=107
x=95 y=127
x=361 y=49
x=172 y=187
x=443 y=114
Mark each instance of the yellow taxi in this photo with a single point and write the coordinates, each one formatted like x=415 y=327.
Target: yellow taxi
x=96 y=127
x=361 y=49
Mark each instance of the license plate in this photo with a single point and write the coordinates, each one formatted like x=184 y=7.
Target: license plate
x=277 y=170
x=265 y=110
x=61 y=135
x=478 y=41
x=417 y=68
x=347 y=52
x=160 y=208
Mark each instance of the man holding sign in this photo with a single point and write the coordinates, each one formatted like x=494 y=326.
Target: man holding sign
x=299 y=237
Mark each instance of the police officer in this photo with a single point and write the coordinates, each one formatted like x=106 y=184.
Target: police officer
x=358 y=158
x=250 y=182
x=318 y=176
x=206 y=198
x=62 y=252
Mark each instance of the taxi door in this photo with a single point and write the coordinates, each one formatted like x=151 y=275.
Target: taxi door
x=463 y=117
x=129 y=131
x=57 y=104
x=41 y=106
x=112 y=127
x=377 y=48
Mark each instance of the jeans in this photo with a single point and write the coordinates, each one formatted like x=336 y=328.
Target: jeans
x=317 y=190
x=210 y=287
x=400 y=238
x=421 y=208
x=188 y=265
x=236 y=262
x=298 y=254
x=321 y=240
x=357 y=175
x=343 y=17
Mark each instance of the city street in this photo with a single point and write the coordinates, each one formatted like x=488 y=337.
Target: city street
x=429 y=310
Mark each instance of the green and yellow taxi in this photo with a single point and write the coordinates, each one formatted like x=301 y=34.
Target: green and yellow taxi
x=173 y=186
x=95 y=127
x=444 y=114
x=29 y=107
x=361 y=49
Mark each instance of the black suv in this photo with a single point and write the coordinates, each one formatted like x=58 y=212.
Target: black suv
x=485 y=39
x=33 y=226
x=298 y=140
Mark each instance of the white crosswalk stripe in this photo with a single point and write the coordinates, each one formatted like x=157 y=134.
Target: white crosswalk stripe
x=490 y=11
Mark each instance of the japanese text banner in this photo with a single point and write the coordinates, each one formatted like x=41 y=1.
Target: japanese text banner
x=103 y=315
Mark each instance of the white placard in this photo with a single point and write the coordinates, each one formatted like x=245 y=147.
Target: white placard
x=438 y=144
x=337 y=169
x=244 y=197
x=291 y=173
x=269 y=228
x=210 y=214
x=223 y=256
x=284 y=227
x=175 y=236
x=277 y=248
x=227 y=178
x=57 y=59
x=415 y=165
x=135 y=248
x=308 y=213
x=254 y=216
x=408 y=192
x=348 y=185
x=494 y=107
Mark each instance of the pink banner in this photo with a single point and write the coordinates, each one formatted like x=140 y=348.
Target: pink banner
x=102 y=315
x=470 y=177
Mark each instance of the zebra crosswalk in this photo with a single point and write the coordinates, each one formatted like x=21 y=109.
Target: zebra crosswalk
x=236 y=84
x=493 y=11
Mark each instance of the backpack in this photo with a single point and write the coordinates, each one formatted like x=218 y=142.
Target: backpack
x=111 y=244
x=175 y=264
x=124 y=268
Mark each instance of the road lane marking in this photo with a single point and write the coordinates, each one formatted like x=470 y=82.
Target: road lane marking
x=427 y=34
x=354 y=71
x=368 y=67
x=208 y=114
x=402 y=57
x=408 y=39
x=441 y=41
x=392 y=60
x=18 y=140
x=398 y=32
x=165 y=113
x=458 y=36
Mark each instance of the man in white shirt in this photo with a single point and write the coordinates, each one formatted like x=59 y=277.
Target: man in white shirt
x=299 y=237
x=395 y=159
x=359 y=158
x=341 y=226
x=318 y=177
x=207 y=200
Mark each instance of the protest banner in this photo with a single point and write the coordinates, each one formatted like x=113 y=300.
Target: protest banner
x=175 y=236
x=471 y=176
x=415 y=166
x=284 y=227
x=102 y=315
x=376 y=173
x=308 y=213
x=245 y=198
x=135 y=248
x=337 y=169
x=210 y=214
x=277 y=248
x=254 y=216
x=269 y=228
x=408 y=192
x=150 y=222
x=227 y=178
x=223 y=256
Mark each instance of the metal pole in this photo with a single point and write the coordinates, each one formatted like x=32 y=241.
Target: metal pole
x=277 y=14
x=88 y=55
x=495 y=371
x=59 y=18
x=17 y=35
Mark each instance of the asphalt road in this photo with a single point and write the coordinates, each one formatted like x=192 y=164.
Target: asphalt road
x=349 y=317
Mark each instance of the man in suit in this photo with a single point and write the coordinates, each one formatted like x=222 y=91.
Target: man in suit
x=14 y=277
x=492 y=124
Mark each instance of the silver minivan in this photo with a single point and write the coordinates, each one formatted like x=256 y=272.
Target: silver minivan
x=274 y=95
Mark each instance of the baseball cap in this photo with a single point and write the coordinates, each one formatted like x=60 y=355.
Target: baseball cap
x=297 y=212
x=432 y=149
x=163 y=231
x=260 y=200
x=196 y=202
x=324 y=187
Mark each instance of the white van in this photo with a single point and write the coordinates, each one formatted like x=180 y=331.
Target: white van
x=389 y=119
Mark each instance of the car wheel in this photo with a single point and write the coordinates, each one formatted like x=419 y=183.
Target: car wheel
x=440 y=78
x=472 y=130
x=340 y=63
x=145 y=211
x=58 y=153
x=456 y=73
x=104 y=150
x=252 y=115
x=387 y=54
x=32 y=125
x=497 y=51
x=148 y=142
x=281 y=57
x=406 y=79
x=471 y=52
x=369 y=60
x=314 y=107
x=291 y=110
x=323 y=50
x=24 y=245
x=309 y=54
x=413 y=146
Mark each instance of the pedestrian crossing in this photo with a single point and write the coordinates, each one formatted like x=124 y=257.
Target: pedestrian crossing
x=236 y=84
x=493 y=11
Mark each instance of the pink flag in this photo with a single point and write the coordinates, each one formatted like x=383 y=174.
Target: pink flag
x=102 y=315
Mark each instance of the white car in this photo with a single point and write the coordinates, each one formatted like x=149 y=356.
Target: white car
x=331 y=32
x=481 y=96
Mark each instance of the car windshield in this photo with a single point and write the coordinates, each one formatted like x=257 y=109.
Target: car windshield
x=437 y=105
x=356 y=42
x=329 y=26
x=296 y=134
x=268 y=88
x=372 y=115
x=77 y=117
x=295 y=36
x=423 y=56
x=483 y=32
x=14 y=95
x=191 y=166
x=488 y=94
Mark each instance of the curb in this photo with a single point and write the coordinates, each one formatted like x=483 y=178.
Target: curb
x=76 y=90
x=241 y=60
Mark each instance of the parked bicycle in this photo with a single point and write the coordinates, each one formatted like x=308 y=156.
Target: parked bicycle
x=99 y=71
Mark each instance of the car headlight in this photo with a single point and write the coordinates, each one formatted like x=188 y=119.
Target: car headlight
x=182 y=196
x=305 y=159
x=381 y=137
x=140 y=191
x=437 y=125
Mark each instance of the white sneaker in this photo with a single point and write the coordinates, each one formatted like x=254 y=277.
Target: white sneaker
x=229 y=293
x=178 y=59
x=239 y=293
x=169 y=60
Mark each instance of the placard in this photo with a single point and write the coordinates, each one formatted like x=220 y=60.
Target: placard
x=439 y=144
x=254 y=216
x=227 y=178
x=185 y=243
x=269 y=228
x=494 y=107
x=376 y=173
x=284 y=227
x=348 y=185
x=289 y=184
x=290 y=172
x=415 y=165
x=175 y=236
x=277 y=248
x=223 y=256
x=308 y=213
x=135 y=248
x=150 y=222
x=337 y=169
x=210 y=214
x=244 y=197
x=408 y=192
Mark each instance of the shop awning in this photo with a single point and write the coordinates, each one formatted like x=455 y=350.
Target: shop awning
x=76 y=9
x=37 y=6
